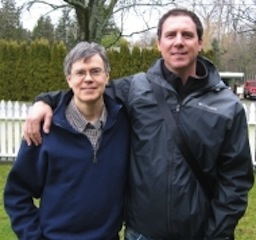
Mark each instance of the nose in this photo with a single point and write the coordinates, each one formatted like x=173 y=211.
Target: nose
x=87 y=77
x=178 y=39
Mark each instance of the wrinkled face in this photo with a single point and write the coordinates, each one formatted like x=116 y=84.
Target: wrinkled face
x=180 y=45
x=88 y=80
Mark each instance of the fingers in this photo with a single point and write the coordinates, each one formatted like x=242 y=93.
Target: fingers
x=32 y=131
x=38 y=113
x=47 y=123
x=25 y=134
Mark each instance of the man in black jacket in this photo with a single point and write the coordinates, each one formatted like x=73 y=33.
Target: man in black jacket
x=165 y=198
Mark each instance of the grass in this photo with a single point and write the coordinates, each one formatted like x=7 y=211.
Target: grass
x=5 y=230
x=245 y=230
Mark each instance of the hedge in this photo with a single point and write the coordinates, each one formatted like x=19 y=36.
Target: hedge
x=29 y=68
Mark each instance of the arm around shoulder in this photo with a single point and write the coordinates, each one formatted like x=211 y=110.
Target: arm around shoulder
x=119 y=89
x=41 y=112
x=51 y=98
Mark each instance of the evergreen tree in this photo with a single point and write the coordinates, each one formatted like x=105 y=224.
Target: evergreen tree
x=10 y=25
x=113 y=56
x=9 y=69
x=112 y=36
x=66 y=30
x=3 y=52
x=43 y=29
x=136 y=59
x=57 y=78
x=21 y=83
x=39 y=64
x=217 y=53
x=125 y=59
x=148 y=57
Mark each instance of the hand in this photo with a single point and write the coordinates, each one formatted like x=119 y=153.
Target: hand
x=38 y=113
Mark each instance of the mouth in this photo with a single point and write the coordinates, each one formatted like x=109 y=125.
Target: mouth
x=179 y=53
x=88 y=90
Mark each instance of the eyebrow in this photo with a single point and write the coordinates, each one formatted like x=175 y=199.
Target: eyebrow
x=82 y=69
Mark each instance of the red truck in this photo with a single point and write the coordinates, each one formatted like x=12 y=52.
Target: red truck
x=250 y=89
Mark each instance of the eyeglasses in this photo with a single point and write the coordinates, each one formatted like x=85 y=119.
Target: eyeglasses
x=81 y=74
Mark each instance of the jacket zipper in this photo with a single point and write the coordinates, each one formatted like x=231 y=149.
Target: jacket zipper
x=94 y=156
x=178 y=108
x=171 y=223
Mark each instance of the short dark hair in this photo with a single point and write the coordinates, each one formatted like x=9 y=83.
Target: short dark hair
x=84 y=50
x=181 y=12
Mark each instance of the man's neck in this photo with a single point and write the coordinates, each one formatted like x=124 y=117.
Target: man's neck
x=91 y=111
x=185 y=73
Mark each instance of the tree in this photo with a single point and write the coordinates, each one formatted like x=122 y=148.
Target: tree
x=21 y=83
x=136 y=62
x=112 y=35
x=65 y=30
x=93 y=17
x=56 y=75
x=147 y=39
x=9 y=56
x=43 y=29
x=10 y=26
x=217 y=52
x=38 y=67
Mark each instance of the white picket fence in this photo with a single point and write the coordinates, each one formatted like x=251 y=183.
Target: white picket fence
x=13 y=114
x=251 y=121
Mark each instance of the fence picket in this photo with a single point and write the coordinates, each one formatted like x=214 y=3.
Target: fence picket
x=12 y=116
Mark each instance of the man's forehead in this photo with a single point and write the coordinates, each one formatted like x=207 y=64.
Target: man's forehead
x=174 y=23
x=93 y=60
x=173 y=20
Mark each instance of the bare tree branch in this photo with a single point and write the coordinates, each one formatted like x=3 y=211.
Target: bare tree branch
x=137 y=5
x=30 y=3
x=138 y=32
x=77 y=3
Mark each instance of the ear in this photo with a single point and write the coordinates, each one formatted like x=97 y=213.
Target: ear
x=107 y=77
x=200 y=43
x=158 y=45
x=68 y=78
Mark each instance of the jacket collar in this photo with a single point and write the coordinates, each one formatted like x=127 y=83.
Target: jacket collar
x=207 y=72
x=59 y=117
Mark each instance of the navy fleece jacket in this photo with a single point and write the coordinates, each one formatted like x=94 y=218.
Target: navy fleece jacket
x=79 y=199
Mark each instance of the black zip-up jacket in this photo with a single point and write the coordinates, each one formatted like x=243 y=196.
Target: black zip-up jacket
x=165 y=199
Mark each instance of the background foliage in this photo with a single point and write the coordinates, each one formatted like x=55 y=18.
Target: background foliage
x=29 y=68
x=229 y=25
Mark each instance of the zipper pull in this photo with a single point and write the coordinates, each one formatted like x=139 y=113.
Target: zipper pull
x=178 y=108
x=94 y=156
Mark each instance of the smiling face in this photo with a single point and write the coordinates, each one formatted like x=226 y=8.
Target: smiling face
x=179 y=45
x=88 y=80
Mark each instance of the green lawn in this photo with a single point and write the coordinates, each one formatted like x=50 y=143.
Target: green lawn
x=246 y=229
x=5 y=231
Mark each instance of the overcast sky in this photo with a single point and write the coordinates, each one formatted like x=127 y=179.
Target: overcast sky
x=29 y=18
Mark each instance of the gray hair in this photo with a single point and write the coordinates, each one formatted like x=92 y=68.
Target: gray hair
x=84 y=50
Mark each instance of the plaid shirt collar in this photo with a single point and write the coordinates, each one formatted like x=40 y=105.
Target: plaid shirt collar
x=78 y=121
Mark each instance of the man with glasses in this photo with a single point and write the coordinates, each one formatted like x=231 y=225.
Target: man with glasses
x=79 y=171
